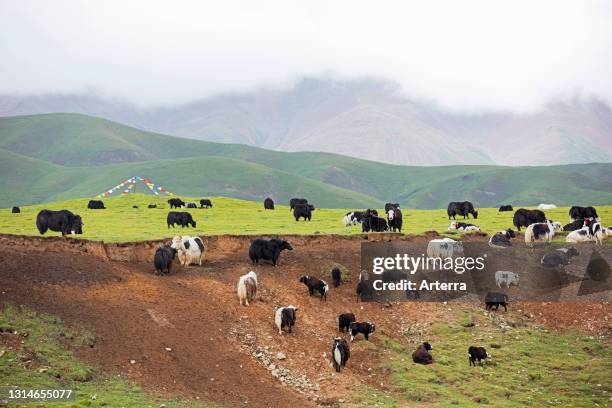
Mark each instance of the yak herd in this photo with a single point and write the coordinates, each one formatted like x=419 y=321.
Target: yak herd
x=585 y=225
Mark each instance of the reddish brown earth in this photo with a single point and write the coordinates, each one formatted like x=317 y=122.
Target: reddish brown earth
x=136 y=315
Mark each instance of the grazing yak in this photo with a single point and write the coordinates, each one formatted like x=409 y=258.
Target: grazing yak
x=190 y=249
x=541 y=232
x=578 y=224
x=268 y=204
x=16 y=210
x=61 y=221
x=303 y=210
x=336 y=274
x=578 y=213
x=507 y=278
x=96 y=205
x=152 y=206
x=463 y=226
x=366 y=328
x=353 y=218
x=205 y=203
x=506 y=208
x=191 y=205
x=394 y=216
x=477 y=354
x=164 y=255
x=422 y=354
x=464 y=208
x=344 y=321
x=444 y=248
x=389 y=206
x=267 y=250
x=315 y=284
x=524 y=218
x=372 y=222
x=340 y=353
x=285 y=317
x=176 y=203
x=183 y=219
x=501 y=239
x=247 y=288
x=294 y=201
x=591 y=233
x=496 y=299
x=559 y=257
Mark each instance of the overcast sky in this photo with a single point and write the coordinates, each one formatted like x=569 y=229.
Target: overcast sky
x=466 y=55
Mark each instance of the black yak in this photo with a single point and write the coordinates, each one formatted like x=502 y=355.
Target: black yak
x=267 y=250
x=164 y=255
x=61 y=221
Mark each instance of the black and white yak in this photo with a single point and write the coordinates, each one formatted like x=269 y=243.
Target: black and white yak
x=524 y=218
x=340 y=353
x=578 y=224
x=62 y=221
x=182 y=218
x=262 y=249
x=395 y=218
x=190 y=249
x=464 y=208
x=205 y=203
x=541 y=232
x=366 y=328
x=422 y=354
x=164 y=255
x=463 y=226
x=315 y=284
x=353 y=218
x=591 y=233
x=96 y=205
x=285 y=317
x=247 y=288
x=577 y=213
x=268 y=204
x=501 y=239
x=477 y=354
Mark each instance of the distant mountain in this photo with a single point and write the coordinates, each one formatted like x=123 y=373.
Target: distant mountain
x=367 y=119
x=59 y=156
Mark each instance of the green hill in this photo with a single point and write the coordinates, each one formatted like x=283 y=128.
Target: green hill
x=60 y=156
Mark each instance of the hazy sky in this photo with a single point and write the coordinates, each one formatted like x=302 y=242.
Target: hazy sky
x=466 y=55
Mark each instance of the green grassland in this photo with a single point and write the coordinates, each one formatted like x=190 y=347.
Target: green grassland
x=531 y=366
x=43 y=361
x=61 y=156
x=122 y=223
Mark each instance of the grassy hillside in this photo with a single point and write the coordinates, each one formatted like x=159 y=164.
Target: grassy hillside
x=60 y=156
x=122 y=223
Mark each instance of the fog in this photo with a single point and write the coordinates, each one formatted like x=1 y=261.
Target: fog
x=464 y=55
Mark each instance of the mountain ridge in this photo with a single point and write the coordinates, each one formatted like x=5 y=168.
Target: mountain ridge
x=82 y=156
x=368 y=119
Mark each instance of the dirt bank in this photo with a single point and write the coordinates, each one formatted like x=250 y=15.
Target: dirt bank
x=221 y=351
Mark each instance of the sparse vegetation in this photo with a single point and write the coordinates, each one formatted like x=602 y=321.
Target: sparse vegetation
x=34 y=353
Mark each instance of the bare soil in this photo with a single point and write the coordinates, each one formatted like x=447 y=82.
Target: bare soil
x=221 y=351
